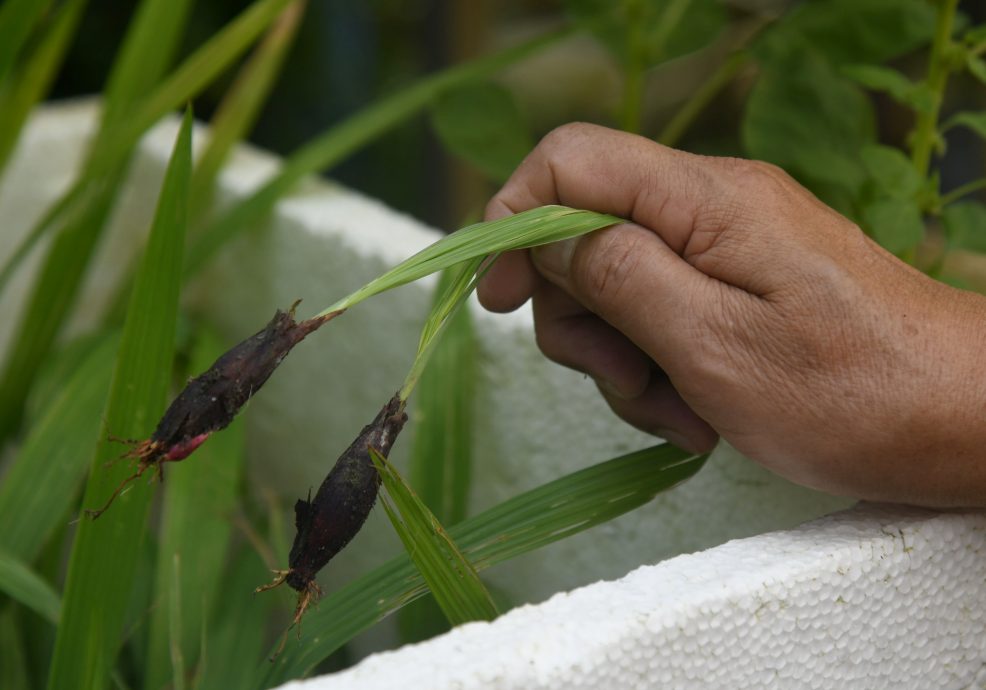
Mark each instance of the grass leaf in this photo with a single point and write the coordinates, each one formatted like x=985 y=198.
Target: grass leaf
x=348 y=136
x=526 y=522
x=14 y=673
x=33 y=79
x=531 y=228
x=242 y=103
x=24 y=585
x=199 y=498
x=441 y=457
x=42 y=480
x=105 y=552
x=450 y=576
x=88 y=203
x=18 y=19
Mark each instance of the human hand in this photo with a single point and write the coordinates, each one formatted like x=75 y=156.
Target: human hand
x=735 y=303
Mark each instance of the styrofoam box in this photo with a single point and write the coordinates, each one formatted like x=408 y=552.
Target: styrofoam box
x=870 y=597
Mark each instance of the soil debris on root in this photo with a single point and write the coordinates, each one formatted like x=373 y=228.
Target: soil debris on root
x=211 y=400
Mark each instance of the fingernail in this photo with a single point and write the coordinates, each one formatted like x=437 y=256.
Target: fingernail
x=555 y=257
x=675 y=439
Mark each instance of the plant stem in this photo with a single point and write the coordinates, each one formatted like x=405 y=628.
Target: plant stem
x=926 y=129
x=962 y=190
x=701 y=98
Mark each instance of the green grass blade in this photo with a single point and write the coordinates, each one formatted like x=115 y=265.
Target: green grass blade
x=14 y=673
x=105 y=551
x=533 y=519
x=38 y=489
x=450 y=576
x=441 y=457
x=17 y=20
x=55 y=291
x=190 y=77
x=341 y=140
x=24 y=585
x=34 y=78
x=199 y=498
x=242 y=103
x=531 y=228
x=237 y=633
x=149 y=46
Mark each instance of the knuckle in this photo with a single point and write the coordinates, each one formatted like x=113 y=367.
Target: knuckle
x=565 y=137
x=605 y=265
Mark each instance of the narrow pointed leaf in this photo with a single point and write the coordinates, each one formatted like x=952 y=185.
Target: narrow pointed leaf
x=531 y=228
x=529 y=521
x=341 y=140
x=243 y=102
x=32 y=80
x=22 y=584
x=450 y=576
x=44 y=476
x=17 y=19
x=199 y=498
x=106 y=551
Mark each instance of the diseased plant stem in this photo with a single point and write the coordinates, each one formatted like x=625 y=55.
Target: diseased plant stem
x=926 y=129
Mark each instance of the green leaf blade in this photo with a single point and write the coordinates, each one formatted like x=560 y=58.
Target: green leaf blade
x=965 y=226
x=105 y=552
x=195 y=531
x=24 y=585
x=481 y=124
x=535 y=518
x=449 y=574
x=532 y=228
x=895 y=223
x=38 y=489
x=346 y=137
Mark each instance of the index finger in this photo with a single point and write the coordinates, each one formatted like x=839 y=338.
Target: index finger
x=598 y=169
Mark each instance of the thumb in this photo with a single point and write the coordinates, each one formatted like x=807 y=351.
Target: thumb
x=630 y=278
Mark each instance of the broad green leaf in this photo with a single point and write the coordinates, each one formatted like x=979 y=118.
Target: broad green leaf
x=965 y=225
x=848 y=31
x=481 y=123
x=974 y=121
x=898 y=86
x=43 y=478
x=977 y=67
x=529 y=521
x=199 y=496
x=895 y=223
x=105 y=551
x=33 y=78
x=660 y=29
x=803 y=116
x=975 y=35
x=531 y=228
x=242 y=103
x=18 y=19
x=450 y=576
x=343 y=139
x=891 y=170
x=24 y=585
